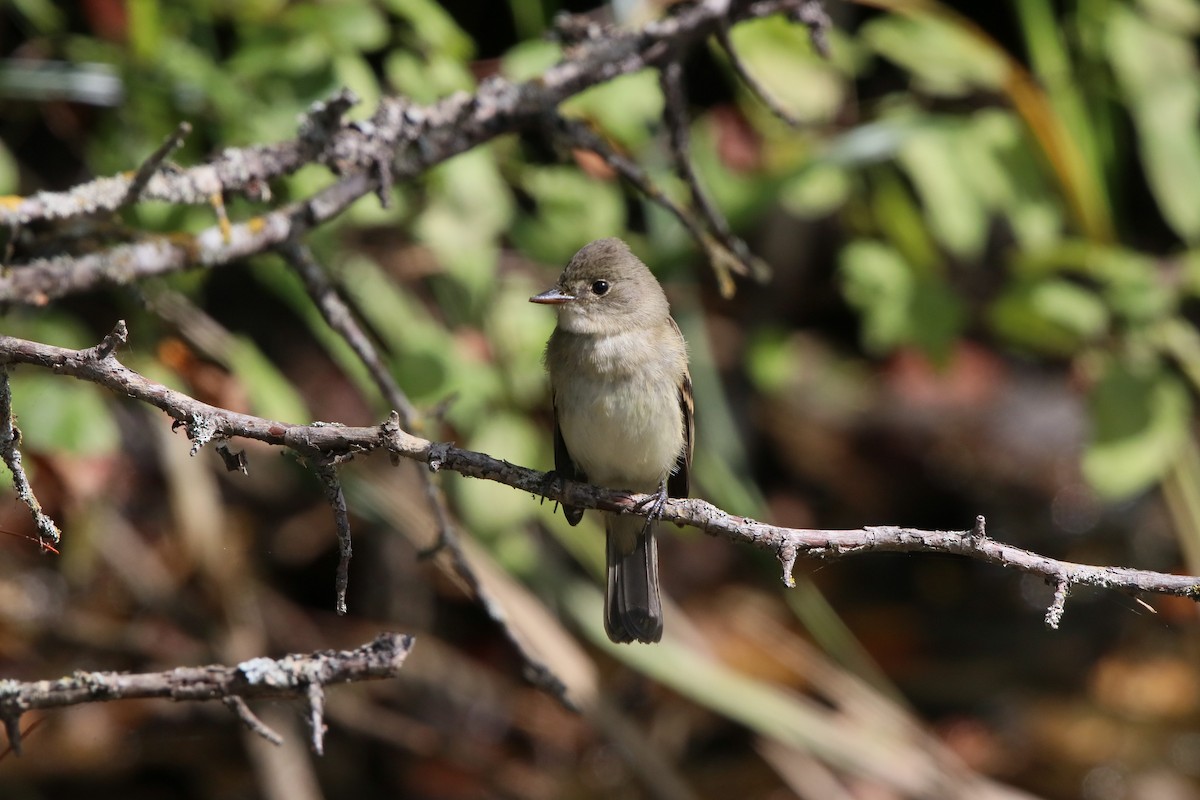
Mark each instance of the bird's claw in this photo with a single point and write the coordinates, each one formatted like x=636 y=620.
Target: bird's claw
x=657 y=503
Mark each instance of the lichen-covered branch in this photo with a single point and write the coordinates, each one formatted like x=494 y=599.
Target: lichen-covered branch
x=298 y=675
x=99 y=365
x=400 y=141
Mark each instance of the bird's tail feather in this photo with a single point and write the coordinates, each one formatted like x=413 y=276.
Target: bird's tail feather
x=632 y=607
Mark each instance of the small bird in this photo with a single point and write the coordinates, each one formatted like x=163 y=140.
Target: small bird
x=622 y=413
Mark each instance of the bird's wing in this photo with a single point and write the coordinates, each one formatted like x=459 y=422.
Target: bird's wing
x=565 y=466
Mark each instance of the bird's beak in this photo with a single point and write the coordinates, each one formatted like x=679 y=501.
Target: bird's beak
x=552 y=297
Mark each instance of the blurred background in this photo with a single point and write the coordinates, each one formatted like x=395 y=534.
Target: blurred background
x=984 y=280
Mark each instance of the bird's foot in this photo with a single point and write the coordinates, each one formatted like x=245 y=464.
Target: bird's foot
x=656 y=502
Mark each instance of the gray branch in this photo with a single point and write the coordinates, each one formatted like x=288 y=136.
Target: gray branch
x=298 y=675
x=324 y=440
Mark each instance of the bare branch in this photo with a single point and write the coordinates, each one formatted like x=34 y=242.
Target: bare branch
x=10 y=451
x=291 y=676
x=399 y=142
x=734 y=257
x=238 y=706
x=788 y=544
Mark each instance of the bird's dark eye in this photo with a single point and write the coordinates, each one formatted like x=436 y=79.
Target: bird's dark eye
x=599 y=287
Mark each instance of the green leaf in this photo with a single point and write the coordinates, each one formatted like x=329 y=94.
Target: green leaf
x=44 y=15
x=529 y=59
x=945 y=58
x=346 y=26
x=271 y=394
x=779 y=54
x=470 y=207
x=571 y=209
x=426 y=79
x=489 y=508
x=1049 y=316
x=898 y=306
x=877 y=282
x=434 y=27
x=627 y=108
x=1181 y=15
x=1140 y=419
x=819 y=189
x=1158 y=74
x=59 y=415
x=936 y=318
x=10 y=174
x=954 y=212
x=353 y=72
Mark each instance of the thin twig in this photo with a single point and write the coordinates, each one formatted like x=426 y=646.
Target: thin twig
x=577 y=134
x=740 y=260
x=290 y=676
x=341 y=319
x=754 y=84
x=152 y=164
x=10 y=451
x=238 y=706
x=315 y=696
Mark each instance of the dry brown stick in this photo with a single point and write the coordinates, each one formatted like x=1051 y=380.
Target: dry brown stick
x=202 y=421
x=291 y=676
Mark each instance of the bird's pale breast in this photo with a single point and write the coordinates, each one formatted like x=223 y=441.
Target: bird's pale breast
x=623 y=426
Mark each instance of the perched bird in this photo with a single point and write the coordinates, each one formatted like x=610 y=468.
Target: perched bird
x=622 y=413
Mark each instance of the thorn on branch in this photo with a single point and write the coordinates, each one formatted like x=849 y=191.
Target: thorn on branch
x=1057 y=607
x=324 y=117
x=316 y=716
x=238 y=706
x=117 y=337
x=979 y=532
x=787 y=557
